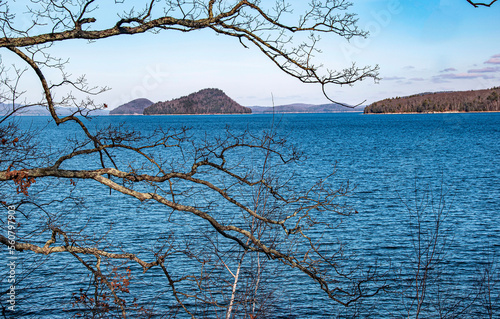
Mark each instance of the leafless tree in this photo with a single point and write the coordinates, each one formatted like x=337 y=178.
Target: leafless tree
x=429 y=282
x=488 y=293
x=237 y=188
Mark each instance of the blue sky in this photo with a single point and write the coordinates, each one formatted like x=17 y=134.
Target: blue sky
x=420 y=46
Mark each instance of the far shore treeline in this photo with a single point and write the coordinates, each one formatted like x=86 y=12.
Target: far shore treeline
x=215 y=101
x=459 y=101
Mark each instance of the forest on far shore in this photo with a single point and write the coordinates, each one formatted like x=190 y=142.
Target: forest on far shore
x=460 y=101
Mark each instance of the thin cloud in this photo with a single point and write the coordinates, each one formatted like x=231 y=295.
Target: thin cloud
x=409 y=67
x=393 y=78
x=494 y=59
x=417 y=79
x=463 y=76
x=448 y=70
x=438 y=79
x=485 y=70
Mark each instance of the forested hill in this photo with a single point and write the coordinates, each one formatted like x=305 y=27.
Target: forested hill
x=136 y=106
x=460 y=101
x=206 y=101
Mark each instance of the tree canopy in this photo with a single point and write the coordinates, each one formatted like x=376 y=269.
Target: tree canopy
x=198 y=178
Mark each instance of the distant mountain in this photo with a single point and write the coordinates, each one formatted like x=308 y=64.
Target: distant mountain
x=136 y=106
x=458 y=101
x=206 y=101
x=38 y=110
x=305 y=108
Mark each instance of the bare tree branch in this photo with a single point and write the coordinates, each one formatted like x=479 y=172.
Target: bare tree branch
x=477 y=4
x=244 y=173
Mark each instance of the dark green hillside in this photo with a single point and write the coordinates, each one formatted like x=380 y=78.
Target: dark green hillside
x=461 y=101
x=206 y=101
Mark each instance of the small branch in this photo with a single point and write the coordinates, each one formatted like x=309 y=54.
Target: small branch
x=477 y=4
x=46 y=250
x=174 y=290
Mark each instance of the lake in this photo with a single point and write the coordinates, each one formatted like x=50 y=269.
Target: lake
x=403 y=168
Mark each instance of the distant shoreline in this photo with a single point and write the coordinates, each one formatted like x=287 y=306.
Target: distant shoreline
x=259 y=113
x=448 y=112
x=308 y=112
x=246 y=114
x=181 y=114
x=277 y=113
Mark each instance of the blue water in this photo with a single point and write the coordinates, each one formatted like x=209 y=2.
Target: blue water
x=396 y=165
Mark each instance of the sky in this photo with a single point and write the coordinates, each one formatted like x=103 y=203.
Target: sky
x=420 y=46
